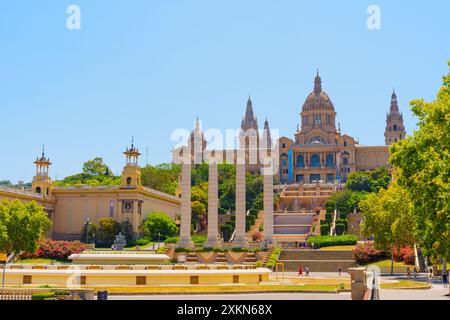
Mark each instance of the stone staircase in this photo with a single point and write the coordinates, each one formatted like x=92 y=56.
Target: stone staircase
x=250 y=258
x=354 y=220
x=221 y=258
x=317 y=260
x=191 y=257
x=255 y=228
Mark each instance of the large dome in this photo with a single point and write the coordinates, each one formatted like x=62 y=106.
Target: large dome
x=318 y=99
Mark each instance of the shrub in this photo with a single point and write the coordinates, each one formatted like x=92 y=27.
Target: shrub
x=142 y=241
x=343 y=216
x=258 y=264
x=273 y=258
x=251 y=219
x=58 y=250
x=199 y=239
x=340 y=228
x=324 y=229
x=239 y=250
x=43 y=295
x=253 y=211
x=327 y=241
x=257 y=236
x=261 y=227
x=158 y=224
x=172 y=240
x=329 y=216
x=406 y=255
x=367 y=253
x=227 y=231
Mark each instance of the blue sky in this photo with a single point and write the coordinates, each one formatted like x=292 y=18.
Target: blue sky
x=145 y=68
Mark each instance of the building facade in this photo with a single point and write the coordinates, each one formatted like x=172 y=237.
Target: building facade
x=319 y=151
x=69 y=207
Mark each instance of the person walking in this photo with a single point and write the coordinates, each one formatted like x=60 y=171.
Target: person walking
x=415 y=272
x=300 y=271
x=339 y=271
x=307 y=271
x=445 y=279
x=408 y=273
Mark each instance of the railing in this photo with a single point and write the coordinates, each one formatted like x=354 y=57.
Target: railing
x=22 y=192
x=15 y=294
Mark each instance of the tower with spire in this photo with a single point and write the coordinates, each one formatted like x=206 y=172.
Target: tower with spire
x=197 y=143
x=395 y=129
x=131 y=173
x=41 y=181
x=249 y=139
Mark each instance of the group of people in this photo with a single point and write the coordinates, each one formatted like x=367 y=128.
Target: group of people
x=300 y=271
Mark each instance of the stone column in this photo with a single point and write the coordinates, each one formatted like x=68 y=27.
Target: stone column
x=185 y=210
x=213 y=206
x=268 y=204
x=240 y=241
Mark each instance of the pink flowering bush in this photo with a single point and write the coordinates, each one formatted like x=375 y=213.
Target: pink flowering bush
x=406 y=255
x=366 y=253
x=59 y=250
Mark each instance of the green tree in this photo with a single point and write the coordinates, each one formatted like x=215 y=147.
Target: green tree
x=96 y=167
x=126 y=229
x=158 y=222
x=359 y=181
x=387 y=216
x=21 y=226
x=163 y=177
x=423 y=164
x=108 y=228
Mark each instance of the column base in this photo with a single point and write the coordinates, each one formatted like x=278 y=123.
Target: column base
x=212 y=243
x=185 y=243
x=240 y=243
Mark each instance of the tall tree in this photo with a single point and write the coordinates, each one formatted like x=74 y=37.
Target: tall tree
x=387 y=216
x=21 y=225
x=423 y=164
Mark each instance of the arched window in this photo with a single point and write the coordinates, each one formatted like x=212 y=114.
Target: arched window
x=315 y=161
x=129 y=181
x=330 y=160
x=395 y=127
x=38 y=190
x=301 y=161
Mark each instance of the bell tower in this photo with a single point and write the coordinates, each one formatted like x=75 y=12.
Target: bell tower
x=394 y=123
x=131 y=173
x=41 y=181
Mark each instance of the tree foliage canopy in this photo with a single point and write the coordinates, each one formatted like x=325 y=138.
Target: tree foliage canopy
x=423 y=164
x=387 y=216
x=21 y=225
x=158 y=222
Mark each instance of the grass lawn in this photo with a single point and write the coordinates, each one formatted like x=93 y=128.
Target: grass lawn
x=351 y=247
x=222 y=289
x=387 y=263
x=41 y=261
x=405 y=284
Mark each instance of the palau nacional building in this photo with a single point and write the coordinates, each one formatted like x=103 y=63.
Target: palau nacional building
x=311 y=166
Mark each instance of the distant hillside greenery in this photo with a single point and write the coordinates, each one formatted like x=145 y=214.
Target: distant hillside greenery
x=7 y=183
x=94 y=173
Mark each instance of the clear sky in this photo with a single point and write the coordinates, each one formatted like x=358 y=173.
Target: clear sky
x=144 y=68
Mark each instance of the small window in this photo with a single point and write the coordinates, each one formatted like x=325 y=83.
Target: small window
x=83 y=280
x=38 y=190
x=129 y=181
x=194 y=280
x=26 y=279
x=141 y=280
x=236 y=279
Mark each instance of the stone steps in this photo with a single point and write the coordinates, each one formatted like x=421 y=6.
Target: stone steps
x=299 y=254
x=317 y=260
x=318 y=265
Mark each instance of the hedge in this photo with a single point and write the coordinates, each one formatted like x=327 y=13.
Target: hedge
x=327 y=241
x=340 y=228
x=342 y=221
x=324 y=229
x=273 y=258
x=329 y=216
